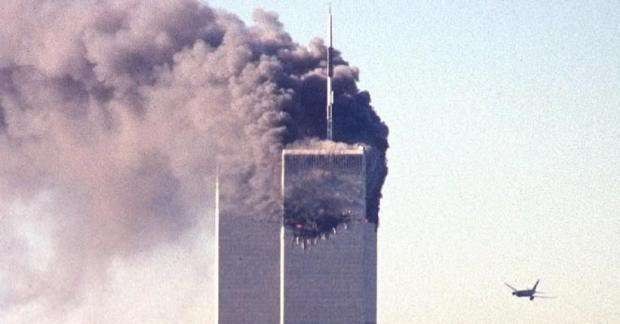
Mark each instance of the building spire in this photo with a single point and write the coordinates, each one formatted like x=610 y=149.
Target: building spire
x=330 y=74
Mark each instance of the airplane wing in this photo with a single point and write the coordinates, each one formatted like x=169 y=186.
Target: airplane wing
x=511 y=287
x=536 y=285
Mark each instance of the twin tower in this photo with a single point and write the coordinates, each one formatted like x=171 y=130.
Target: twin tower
x=318 y=264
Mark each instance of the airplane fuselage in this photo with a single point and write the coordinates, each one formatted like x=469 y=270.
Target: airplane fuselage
x=524 y=293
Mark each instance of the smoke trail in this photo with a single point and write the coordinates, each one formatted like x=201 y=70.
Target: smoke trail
x=113 y=116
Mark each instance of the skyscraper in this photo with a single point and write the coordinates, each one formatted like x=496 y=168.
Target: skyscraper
x=328 y=260
x=319 y=265
x=247 y=260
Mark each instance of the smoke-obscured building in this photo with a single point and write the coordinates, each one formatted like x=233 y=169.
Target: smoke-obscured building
x=318 y=265
x=247 y=262
x=328 y=269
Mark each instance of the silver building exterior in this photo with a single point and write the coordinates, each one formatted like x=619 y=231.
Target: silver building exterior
x=328 y=269
x=247 y=262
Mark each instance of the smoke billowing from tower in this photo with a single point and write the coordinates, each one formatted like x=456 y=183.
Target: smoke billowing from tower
x=113 y=116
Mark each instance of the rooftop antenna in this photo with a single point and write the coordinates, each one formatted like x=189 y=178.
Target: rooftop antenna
x=330 y=74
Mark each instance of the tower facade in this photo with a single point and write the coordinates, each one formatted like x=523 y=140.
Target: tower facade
x=328 y=261
x=247 y=261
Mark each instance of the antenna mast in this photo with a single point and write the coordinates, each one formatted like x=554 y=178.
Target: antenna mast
x=330 y=74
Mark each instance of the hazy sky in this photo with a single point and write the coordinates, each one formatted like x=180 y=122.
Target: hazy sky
x=505 y=152
x=504 y=164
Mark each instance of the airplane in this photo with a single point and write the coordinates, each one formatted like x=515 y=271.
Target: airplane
x=530 y=293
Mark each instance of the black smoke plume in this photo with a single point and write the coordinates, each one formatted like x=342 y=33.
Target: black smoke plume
x=113 y=117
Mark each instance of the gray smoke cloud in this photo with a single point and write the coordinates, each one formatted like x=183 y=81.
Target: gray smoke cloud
x=113 y=117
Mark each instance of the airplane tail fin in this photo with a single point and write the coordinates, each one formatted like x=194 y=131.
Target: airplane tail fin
x=536 y=284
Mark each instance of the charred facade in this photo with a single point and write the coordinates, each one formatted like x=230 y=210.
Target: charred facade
x=323 y=190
